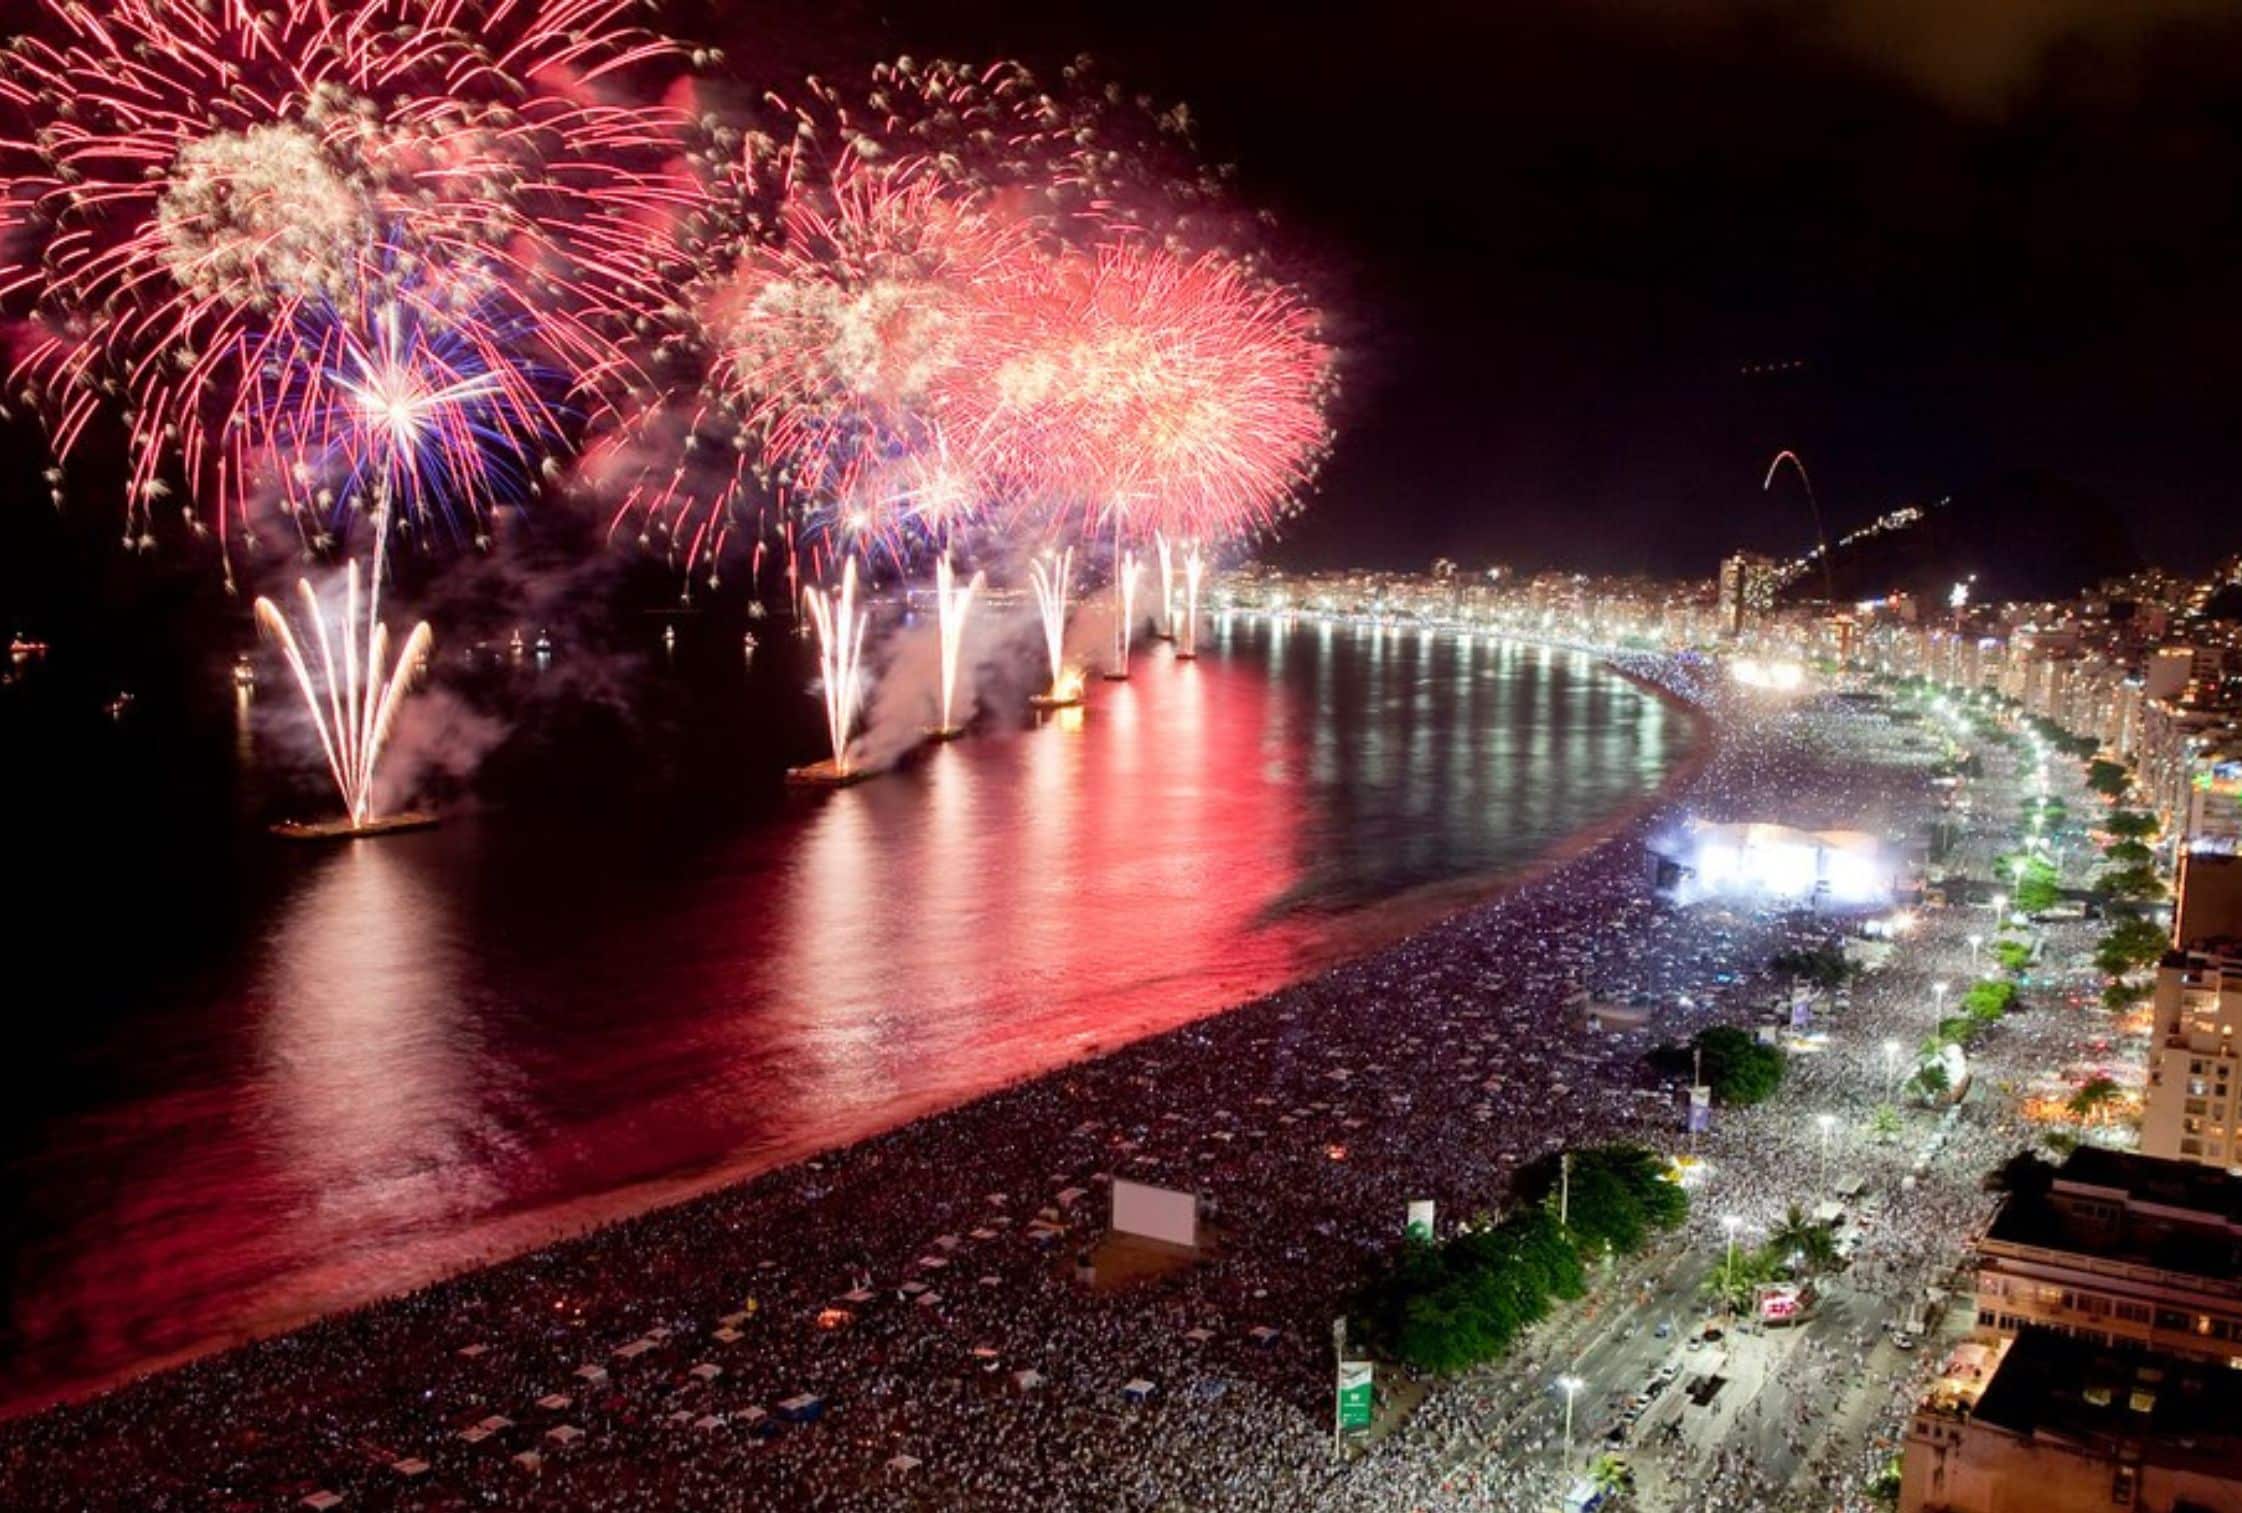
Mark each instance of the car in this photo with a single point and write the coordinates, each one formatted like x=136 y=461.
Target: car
x=1903 y=1341
x=1712 y=1334
x=1665 y=1328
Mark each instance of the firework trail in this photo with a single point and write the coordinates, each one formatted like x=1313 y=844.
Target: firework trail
x=1821 y=538
x=1049 y=576
x=1167 y=583
x=193 y=175
x=1194 y=569
x=1125 y=572
x=950 y=606
x=840 y=640
x=352 y=705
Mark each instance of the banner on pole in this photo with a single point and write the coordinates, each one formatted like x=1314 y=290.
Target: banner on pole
x=1355 y=1396
x=1419 y=1220
x=1700 y=1109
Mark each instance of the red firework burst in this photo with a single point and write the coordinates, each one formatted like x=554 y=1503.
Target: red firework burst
x=197 y=174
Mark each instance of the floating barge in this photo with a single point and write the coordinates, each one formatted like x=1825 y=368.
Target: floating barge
x=344 y=830
x=826 y=774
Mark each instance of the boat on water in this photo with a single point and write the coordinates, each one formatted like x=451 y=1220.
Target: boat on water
x=344 y=830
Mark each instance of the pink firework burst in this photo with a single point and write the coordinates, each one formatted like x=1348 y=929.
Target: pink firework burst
x=1143 y=390
x=195 y=175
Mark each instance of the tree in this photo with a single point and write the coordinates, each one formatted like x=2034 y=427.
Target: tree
x=2096 y=1095
x=1738 y=1069
x=2118 y=995
x=1930 y=1081
x=2013 y=955
x=2109 y=779
x=1989 y=1000
x=1733 y=1280
x=1823 y=966
x=2131 y=824
x=2037 y=886
x=1610 y=1475
x=1884 y=1122
x=2128 y=854
x=1620 y=1194
x=2129 y=944
x=2134 y=884
x=1807 y=1243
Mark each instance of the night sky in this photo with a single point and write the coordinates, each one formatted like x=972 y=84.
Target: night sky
x=1592 y=264
x=1994 y=236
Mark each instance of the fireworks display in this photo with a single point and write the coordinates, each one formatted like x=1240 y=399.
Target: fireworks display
x=352 y=704
x=840 y=641
x=413 y=401
x=396 y=267
x=1126 y=568
x=199 y=177
x=950 y=606
x=1194 y=573
x=1050 y=574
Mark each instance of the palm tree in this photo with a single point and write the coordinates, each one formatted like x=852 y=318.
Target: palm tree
x=1611 y=1475
x=1931 y=1081
x=2096 y=1095
x=1884 y=1123
x=1799 y=1236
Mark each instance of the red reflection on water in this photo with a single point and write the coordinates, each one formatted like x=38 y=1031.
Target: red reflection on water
x=446 y=1052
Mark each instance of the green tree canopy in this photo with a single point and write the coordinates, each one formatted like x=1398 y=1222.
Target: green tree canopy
x=2110 y=779
x=1738 y=1069
x=2037 y=887
x=2129 y=944
x=2138 y=884
x=1930 y=1082
x=1806 y=1244
x=2131 y=824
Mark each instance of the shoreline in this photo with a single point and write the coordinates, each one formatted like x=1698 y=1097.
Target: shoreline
x=1358 y=936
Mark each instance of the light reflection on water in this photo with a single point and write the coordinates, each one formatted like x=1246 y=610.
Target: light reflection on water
x=438 y=1046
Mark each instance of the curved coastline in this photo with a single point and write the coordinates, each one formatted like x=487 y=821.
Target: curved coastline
x=1354 y=939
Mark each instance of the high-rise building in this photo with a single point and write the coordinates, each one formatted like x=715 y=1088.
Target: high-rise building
x=2123 y=1249
x=1747 y=591
x=2190 y=1109
x=2210 y=900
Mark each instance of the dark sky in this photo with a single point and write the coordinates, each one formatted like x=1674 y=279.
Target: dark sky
x=1996 y=236
x=1555 y=237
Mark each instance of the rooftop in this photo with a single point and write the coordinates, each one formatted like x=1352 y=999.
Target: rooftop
x=2051 y=1386
x=2175 y=1216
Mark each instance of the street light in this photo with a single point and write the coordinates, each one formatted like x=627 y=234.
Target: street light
x=1828 y=1122
x=1731 y=1223
x=1938 y=998
x=1572 y=1385
x=2000 y=906
x=1891 y=1065
x=1975 y=942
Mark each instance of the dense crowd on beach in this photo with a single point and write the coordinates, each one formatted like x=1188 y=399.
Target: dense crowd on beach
x=905 y=1323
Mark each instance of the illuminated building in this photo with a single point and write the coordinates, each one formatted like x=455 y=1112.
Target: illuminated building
x=1748 y=582
x=2120 y=1250
x=2066 y=1426
x=2190 y=1110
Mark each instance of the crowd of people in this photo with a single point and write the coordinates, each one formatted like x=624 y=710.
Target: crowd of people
x=930 y=1318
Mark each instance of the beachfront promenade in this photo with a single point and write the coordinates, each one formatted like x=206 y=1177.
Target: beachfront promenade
x=899 y=1324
